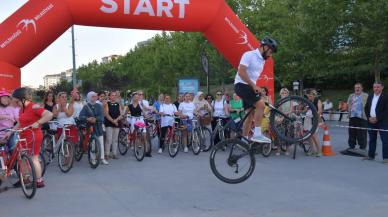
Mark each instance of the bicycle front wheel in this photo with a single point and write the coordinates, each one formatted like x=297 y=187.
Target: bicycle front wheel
x=139 y=150
x=27 y=176
x=206 y=139
x=66 y=156
x=42 y=162
x=234 y=165
x=123 y=142
x=94 y=152
x=79 y=152
x=293 y=114
x=196 y=141
x=47 y=149
x=173 y=143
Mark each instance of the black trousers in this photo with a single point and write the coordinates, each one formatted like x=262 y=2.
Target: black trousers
x=162 y=137
x=357 y=136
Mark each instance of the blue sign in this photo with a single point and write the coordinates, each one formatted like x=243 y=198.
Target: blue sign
x=188 y=86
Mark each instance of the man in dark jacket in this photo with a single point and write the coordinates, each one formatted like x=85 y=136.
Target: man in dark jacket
x=376 y=110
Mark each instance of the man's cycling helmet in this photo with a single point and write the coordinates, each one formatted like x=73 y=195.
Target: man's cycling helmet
x=20 y=94
x=271 y=43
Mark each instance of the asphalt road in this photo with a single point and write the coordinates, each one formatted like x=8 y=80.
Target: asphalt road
x=185 y=186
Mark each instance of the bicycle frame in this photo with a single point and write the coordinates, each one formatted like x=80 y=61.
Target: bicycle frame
x=59 y=142
x=21 y=148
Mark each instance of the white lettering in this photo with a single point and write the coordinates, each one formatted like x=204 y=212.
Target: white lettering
x=112 y=8
x=182 y=7
x=164 y=8
x=144 y=6
x=6 y=75
x=127 y=6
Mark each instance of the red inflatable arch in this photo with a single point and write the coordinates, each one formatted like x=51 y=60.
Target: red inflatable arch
x=40 y=22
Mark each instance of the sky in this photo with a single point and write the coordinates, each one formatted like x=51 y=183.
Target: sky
x=92 y=43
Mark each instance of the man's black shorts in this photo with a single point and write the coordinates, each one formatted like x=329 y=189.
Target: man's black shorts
x=247 y=94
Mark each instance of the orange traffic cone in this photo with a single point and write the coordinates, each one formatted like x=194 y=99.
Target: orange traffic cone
x=326 y=148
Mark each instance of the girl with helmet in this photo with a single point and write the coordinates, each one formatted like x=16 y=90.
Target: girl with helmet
x=9 y=115
x=31 y=115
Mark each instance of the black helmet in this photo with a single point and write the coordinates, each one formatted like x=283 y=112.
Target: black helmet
x=271 y=43
x=20 y=93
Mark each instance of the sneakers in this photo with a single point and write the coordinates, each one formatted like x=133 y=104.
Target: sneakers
x=148 y=154
x=367 y=158
x=40 y=184
x=160 y=151
x=103 y=161
x=385 y=161
x=185 y=150
x=260 y=139
x=115 y=157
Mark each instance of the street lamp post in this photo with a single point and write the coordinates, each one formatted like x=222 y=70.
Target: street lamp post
x=74 y=63
x=295 y=85
x=205 y=67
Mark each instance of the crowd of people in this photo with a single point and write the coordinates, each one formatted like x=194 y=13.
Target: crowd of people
x=108 y=111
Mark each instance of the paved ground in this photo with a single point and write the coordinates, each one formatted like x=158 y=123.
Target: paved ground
x=161 y=186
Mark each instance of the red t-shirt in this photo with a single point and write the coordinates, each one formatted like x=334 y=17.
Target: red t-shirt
x=31 y=114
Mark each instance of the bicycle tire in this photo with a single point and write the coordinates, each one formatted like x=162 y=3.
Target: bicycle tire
x=66 y=156
x=195 y=142
x=173 y=144
x=31 y=185
x=294 y=151
x=232 y=144
x=206 y=140
x=123 y=142
x=42 y=162
x=79 y=152
x=266 y=149
x=94 y=155
x=293 y=100
x=47 y=148
x=306 y=147
x=139 y=149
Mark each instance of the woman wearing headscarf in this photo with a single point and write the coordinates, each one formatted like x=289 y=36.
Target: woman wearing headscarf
x=93 y=114
x=203 y=109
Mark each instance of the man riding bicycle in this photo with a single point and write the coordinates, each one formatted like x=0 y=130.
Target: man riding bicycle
x=250 y=68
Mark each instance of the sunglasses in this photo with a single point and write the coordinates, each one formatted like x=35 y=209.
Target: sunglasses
x=219 y=94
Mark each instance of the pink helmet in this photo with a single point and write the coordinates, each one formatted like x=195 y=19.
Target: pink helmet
x=4 y=93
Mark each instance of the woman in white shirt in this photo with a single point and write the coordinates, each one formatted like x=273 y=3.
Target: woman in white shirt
x=77 y=103
x=167 y=111
x=64 y=111
x=220 y=111
x=186 y=112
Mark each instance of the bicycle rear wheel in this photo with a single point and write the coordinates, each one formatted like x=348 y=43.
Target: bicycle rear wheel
x=234 y=165
x=293 y=113
x=266 y=149
x=66 y=156
x=27 y=176
x=94 y=152
x=123 y=142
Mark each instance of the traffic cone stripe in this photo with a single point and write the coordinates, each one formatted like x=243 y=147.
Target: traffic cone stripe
x=326 y=148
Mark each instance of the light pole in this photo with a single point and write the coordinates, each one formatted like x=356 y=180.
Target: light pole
x=74 y=63
x=295 y=85
x=205 y=67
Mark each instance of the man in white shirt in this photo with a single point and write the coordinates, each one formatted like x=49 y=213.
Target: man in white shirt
x=249 y=70
x=376 y=110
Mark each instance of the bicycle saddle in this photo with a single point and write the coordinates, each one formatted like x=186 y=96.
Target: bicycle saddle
x=140 y=124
